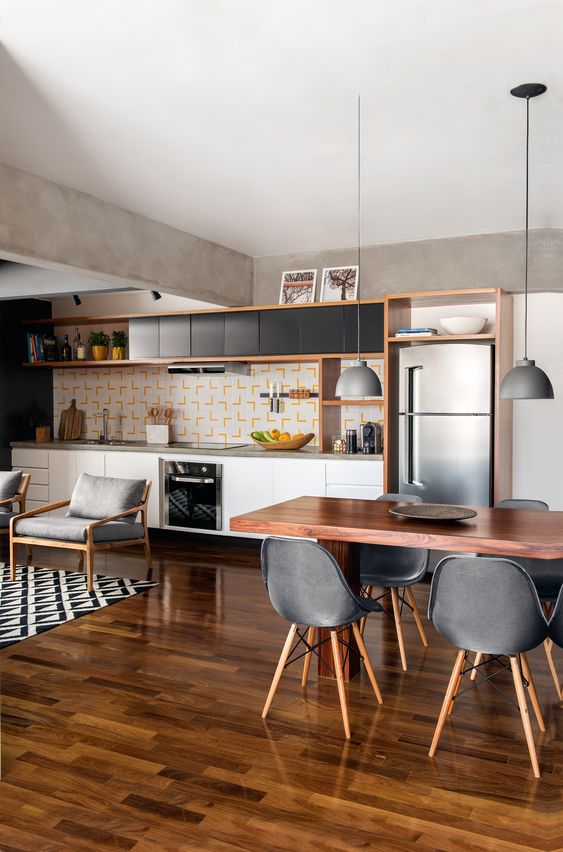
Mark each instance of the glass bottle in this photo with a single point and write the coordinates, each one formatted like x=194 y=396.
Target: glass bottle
x=66 y=351
x=80 y=349
x=75 y=345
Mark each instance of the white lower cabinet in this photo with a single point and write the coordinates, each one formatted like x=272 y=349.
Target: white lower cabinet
x=248 y=484
x=138 y=466
x=36 y=463
x=355 y=492
x=296 y=478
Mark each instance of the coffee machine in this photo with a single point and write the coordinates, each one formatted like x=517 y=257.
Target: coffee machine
x=372 y=439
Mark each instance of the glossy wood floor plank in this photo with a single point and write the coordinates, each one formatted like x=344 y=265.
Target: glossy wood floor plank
x=139 y=728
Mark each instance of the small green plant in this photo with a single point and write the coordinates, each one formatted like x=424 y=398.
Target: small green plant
x=38 y=418
x=98 y=338
x=119 y=339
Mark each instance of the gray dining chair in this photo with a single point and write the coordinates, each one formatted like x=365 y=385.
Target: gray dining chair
x=491 y=606
x=556 y=629
x=397 y=570
x=307 y=587
x=547 y=575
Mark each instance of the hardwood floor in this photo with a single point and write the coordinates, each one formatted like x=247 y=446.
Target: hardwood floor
x=139 y=728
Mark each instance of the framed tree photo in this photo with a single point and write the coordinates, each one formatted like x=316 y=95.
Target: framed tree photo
x=339 y=284
x=298 y=287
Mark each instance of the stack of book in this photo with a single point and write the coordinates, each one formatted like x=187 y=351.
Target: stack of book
x=417 y=332
x=41 y=348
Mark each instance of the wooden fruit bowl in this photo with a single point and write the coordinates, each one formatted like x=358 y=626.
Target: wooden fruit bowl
x=292 y=444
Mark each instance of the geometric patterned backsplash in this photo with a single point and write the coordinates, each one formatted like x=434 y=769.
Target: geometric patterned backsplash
x=206 y=408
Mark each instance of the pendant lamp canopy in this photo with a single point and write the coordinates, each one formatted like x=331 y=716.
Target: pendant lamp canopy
x=358 y=379
x=525 y=380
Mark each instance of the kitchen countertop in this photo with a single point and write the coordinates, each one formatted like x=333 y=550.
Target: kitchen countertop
x=247 y=451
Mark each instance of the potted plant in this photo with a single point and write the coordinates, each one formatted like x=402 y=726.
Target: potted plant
x=40 y=422
x=99 y=343
x=118 y=344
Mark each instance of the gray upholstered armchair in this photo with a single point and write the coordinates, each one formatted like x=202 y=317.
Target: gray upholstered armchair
x=13 y=489
x=102 y=515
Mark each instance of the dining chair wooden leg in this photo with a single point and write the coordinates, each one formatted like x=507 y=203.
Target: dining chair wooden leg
x=368 y=591
x=478 y=659
x=526 y=724
x=409 y=594
x=367 y=662
x=399 y=628
x=548 y=644
x=286 y=650
x=308 y=655
x=340 y=681
x=532 y=690
x=454 y=678
x=454 y=694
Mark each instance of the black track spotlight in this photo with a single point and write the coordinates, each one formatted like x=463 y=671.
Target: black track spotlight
x=156 y=295
x=77 y=300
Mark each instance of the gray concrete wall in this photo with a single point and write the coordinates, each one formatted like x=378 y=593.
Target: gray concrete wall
x=484 y=260
x=46 y=224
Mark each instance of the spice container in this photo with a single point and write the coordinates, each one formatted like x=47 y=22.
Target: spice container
x=339 y=444
x=299 y=393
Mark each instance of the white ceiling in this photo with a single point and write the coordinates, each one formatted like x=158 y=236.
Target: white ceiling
x=235 y=119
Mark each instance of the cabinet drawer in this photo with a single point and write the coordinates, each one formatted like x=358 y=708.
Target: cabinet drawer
x=354 y=472
x=355 y=492
x=38 y=492
x=30 y=458
x=39 y=475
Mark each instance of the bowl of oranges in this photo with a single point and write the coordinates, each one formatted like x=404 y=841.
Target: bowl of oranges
x=276 y=440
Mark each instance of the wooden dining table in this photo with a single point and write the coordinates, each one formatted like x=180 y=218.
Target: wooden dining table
x=340 y=525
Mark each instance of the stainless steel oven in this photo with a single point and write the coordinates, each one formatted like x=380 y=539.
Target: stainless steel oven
x=191 y=495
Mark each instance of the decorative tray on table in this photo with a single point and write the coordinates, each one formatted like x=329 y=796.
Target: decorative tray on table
x=433 y=512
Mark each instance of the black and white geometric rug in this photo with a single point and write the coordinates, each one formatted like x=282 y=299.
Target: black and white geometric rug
x=40 y=599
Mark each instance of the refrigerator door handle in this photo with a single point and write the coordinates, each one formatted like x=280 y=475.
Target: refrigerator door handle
x=409 y=463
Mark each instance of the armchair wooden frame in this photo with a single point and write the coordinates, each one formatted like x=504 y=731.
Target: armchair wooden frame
x=88 y=547
x=19 y=497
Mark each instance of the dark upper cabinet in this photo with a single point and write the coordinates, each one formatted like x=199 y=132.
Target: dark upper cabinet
x=322 y=330
x=208 y=335
x=371 y=327
x=242 y=333
x=175 y=336
x=144 y=337
x=280 y=331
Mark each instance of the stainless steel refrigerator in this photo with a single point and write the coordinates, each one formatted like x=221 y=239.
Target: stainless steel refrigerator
x=446 y=422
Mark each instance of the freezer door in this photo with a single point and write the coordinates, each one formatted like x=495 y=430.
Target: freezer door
x=446 y=378
x=446 y=459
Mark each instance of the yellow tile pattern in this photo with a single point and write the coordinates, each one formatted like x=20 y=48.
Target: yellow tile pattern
x=218 y=408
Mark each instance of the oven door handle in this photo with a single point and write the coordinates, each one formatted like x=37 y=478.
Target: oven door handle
x=203 y=480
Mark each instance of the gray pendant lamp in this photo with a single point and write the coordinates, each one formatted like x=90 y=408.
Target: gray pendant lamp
x=525 y=380
x=358 y=379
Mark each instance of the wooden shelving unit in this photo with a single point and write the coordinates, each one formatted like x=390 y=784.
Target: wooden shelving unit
x=401 y=312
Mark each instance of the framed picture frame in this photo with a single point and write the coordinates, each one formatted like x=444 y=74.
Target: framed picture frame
x=339 y=284
x=298 y=287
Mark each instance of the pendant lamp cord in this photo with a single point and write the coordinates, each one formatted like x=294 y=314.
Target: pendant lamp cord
x=359 y=218
x=527 y=237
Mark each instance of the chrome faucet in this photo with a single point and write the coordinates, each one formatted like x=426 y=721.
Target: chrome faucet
x=104 y=434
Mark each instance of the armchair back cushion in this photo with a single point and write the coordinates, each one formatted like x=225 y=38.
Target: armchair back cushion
x=10 y=481
x=98 y=497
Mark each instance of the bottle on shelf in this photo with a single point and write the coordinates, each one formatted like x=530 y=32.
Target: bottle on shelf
x=66 y=351
x=80 y=349
x=75 y=345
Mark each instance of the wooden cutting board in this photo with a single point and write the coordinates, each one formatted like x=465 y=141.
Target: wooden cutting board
x=70 y=426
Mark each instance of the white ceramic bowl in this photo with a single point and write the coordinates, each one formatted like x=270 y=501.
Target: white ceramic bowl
x=463 y=325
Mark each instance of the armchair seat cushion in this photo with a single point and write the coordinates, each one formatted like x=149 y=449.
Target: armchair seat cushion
x=5 y=520
x=74 y=529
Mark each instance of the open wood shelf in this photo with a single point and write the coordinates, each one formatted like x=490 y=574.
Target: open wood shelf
x=440 y=338
x=163 y=362
x=376 y=400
